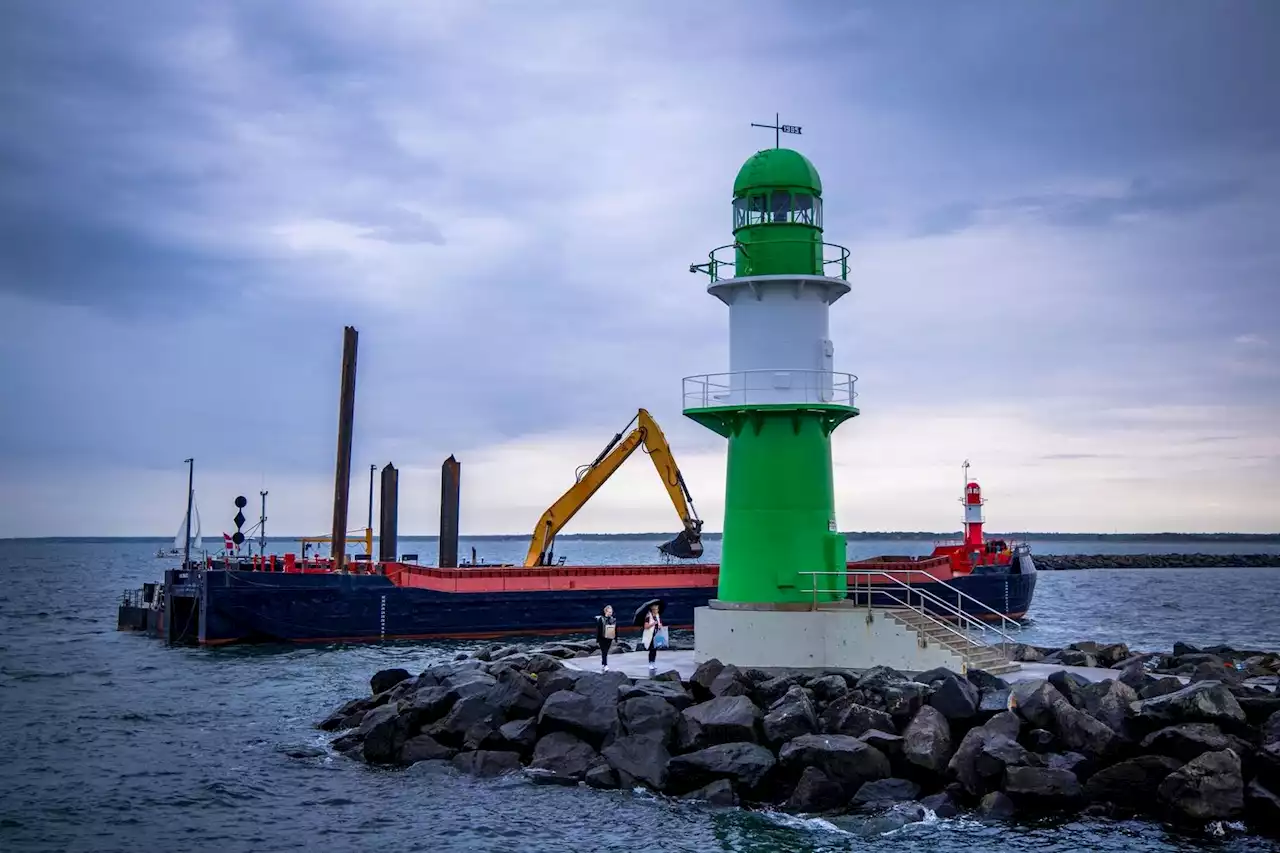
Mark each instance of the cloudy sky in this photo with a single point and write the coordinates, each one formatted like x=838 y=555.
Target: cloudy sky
x=1063 y=220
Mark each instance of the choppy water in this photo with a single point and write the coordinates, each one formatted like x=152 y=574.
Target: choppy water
x=115 y=742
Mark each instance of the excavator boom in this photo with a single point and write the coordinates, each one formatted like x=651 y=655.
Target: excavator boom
x=686 y=545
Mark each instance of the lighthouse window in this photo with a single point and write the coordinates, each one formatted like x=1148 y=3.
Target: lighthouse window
x=739 y=212
x=757 y=208
x=802 y=210
x=781 y=206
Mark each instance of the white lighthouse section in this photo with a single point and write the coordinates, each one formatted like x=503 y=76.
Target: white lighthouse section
x=780 y=349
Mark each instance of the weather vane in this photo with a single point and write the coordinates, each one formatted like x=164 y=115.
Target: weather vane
x=778 y=129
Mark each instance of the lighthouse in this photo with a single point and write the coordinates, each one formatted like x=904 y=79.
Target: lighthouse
x=781 y=398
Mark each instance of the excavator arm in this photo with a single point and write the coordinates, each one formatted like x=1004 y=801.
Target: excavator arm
x=686 y=545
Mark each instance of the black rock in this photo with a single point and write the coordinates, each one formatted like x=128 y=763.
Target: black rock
x=642 y=757
x=385 y=679
x=845 y=760
x=956 y=698
x=429 y=704
x=1180 y=649
x=703 y=677
x=1203 y=702
x=902 y=701
x=997 y=806
x=1072 y=657
x=1262 y=807
x=345 y=717
x=1033 y=701
x=933 y=676
x=730 y=682
x=1211 y=787
x=1158 y=687
x=1271 y=728
x=383 y=734
x=648 y=716
x=1078 y=764
x=963 y=764
x=1110 y=702
x=484 y=735
x=877 y=678
x=1042 y=787
x=487 y=763
x=941 y=805
x=998 y=754
x=515 y=695
x=1135 y=676
x=540 y=663
x=984 y=680
x=465 y=713
x=1188 y=741
x=887 y=742
x=718 y=793
x=746 y=765
x=672 y=693
x=1070 y=685
x=1131 y=785
x=602 y=776
x=882 y=793
x=828 y=688
x=774 y=689
x=424 y=748
x=594 y=721
x=1039 y=740
x=792 y=716
x=725 y=719
x=895 y=818
x=470 y=683
x=814 y=792
x=1082 y=733
x=846 y=717
x=1260 y=711
x=993 y=701
x=1112 y=654
x=519 y=735
x=926 y=742
x=602 y=687
x=554 y=682
x=564 y=755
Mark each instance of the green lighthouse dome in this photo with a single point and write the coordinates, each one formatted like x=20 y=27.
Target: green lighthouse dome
x=776 y=168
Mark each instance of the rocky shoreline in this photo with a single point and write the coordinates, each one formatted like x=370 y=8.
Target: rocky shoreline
x=1067 y=562
x=871 y=750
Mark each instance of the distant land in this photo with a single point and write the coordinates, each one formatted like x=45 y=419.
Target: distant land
x=863 y=535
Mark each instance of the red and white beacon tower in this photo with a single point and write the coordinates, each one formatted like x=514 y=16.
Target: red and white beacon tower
x=973 y=502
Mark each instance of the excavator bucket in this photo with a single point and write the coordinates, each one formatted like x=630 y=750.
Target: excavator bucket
x=683 y=547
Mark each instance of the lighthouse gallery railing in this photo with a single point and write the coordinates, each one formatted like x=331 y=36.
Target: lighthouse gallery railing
x=720 y=267
x=762 y=387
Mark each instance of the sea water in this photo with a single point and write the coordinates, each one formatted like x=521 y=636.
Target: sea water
x=114 y=742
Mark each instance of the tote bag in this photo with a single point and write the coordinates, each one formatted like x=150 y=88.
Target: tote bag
x=660 y=638
x=610 y=631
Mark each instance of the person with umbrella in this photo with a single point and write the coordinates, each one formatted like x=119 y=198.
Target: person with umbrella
x=655 y=633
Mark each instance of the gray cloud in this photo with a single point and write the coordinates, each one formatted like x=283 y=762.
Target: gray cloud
x=197 y=198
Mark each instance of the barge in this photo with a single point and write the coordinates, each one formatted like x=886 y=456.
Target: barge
x=217 y=602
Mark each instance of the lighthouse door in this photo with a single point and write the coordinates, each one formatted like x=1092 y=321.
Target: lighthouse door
x=826 y=390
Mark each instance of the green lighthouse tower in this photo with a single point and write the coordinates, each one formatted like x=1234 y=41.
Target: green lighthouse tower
x=781 y=399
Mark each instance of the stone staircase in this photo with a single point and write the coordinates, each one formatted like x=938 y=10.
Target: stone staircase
x=974 y=653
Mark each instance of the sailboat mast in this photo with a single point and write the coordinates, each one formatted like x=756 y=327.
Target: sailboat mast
x=262 y=527
x=186 y=541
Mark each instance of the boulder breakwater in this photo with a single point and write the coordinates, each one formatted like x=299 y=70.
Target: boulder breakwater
x=879 y=749
x=1066 y=562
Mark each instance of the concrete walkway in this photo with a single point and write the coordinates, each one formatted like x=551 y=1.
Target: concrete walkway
x=636 y=665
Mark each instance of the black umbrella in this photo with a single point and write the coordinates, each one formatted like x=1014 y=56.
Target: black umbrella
x=638 y=619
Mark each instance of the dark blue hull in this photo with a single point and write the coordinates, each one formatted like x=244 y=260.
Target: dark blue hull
x=265 y=607
x=222 y=606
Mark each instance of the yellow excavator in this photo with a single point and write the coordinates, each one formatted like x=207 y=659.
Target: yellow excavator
x=686 y=545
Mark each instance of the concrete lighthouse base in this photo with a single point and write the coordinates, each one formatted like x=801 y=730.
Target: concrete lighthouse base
x=836 y=635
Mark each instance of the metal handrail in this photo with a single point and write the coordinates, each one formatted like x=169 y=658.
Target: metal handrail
x=961 y=593
x=705 y=386
x=713 y=264
x=965 y=619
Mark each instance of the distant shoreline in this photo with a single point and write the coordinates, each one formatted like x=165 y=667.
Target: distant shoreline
x=865 y=536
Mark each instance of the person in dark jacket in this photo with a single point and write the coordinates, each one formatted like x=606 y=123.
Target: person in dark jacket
x=606 y=631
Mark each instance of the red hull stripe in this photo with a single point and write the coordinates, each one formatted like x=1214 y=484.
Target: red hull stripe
x=449 y=635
